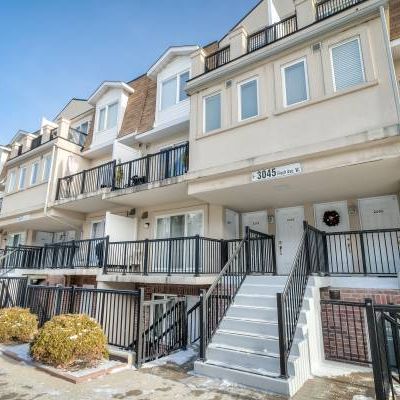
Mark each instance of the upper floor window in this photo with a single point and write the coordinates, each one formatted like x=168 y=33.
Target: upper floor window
x=347 y=64
x=173 y=90
x=248 y=99
x=108 y=117
x=212 y=112
x=22 y=178
x=295 y=82
x=84 y=127
x=46 y=167
x=34 y=173
x=12 y=181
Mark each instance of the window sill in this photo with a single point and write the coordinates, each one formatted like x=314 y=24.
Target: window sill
x=308 y=103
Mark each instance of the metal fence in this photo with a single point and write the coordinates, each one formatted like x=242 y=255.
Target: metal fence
x=217 y=59
x=12 y=291
x=328 y=8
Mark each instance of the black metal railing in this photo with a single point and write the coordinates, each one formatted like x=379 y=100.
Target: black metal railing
x=22 y=257
x=88 y=181
x=368 y=252
x=152 y=168
x=272 y=33
x=328 y=8
x=36 y=142
x=12 y=291
x=261 y=253
x=193 y=323
x=215 y=302
x=217 y=59
x=77 y=137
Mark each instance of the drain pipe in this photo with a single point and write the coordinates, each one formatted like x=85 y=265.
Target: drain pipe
x=389 y=55
x=46 y=204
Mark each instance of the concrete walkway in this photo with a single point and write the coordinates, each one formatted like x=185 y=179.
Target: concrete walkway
x=21 y=382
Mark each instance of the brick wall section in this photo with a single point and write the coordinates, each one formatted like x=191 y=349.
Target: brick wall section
x=394 y=9
x=344 y=328
x=179 y=290
x=140 y=111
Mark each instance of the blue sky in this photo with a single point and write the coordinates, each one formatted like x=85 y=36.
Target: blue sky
x=52 y=50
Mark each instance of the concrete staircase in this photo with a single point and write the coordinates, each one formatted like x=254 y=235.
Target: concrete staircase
x=245 y=348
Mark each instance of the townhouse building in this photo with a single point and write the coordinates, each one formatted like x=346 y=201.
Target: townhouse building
x=196 y=179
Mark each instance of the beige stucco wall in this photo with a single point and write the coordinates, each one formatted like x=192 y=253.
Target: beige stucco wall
x=327 y=116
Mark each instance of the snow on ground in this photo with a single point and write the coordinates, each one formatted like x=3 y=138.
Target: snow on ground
x=179 y=358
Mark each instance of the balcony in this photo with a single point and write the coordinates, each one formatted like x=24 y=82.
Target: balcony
x=328 y=8
x=218 y=59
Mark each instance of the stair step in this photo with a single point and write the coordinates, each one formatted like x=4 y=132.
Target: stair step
x=267 y=382
x=255 y=300
x=266 y=279
x=260 y=289
x=251 y=312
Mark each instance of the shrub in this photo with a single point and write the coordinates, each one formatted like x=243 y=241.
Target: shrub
x=17 y=325
x=70 y=341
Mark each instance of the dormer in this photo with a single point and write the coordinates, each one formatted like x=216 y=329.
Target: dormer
x=110 y=101
x=172 y=71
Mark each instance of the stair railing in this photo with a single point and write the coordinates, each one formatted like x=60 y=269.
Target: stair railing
x=215 y=302
x=309 y=259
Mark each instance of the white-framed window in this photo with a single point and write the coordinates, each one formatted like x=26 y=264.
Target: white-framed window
x=34 y=172
x=46 y=167
x=248 y=99
x=98 y=229
x=173 y=90
x=189 y=223
x=347 y=64
x=83 y=127
x=295 y=82
x=212 y=112
x=22 y=178
x=108 y=117
x=12 y=181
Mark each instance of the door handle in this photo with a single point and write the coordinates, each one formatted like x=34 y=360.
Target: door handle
x=280 y=247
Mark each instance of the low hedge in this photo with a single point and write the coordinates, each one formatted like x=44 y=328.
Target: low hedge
x=17 y=325
x=70 y=341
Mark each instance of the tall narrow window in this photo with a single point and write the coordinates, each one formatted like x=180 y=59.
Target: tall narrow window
x=183 y=78
x=22 y=178
x=12 y=181
x=168 y=93
x=112 y=115
x=46 y=167
x=34 y=173
x=347 y=64
x=295 y=83
x=248 y=96
x=212 y=113
x=102 y=119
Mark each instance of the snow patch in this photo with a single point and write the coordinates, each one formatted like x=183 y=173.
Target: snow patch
x=179 y=358
x=361 y=397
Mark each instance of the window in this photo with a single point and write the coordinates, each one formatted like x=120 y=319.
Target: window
x=12 y=181
x=212 y=112
x=180 y=225
x=108 y=117
x=22 y=176
x=98 y=229
x=347 y=64
x=83 y=127
x=248 y=99
x=46 y=167
x=173 y=90
x=34 y=173
x=295 y=83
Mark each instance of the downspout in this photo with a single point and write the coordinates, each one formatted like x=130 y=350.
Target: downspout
x=46 y=204
x=392 y=71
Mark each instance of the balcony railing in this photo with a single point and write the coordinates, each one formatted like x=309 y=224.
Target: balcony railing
x=152 y=168
x=327 y=8
x=85 y=182
x=272 y=34
x=217 y=59
x=36 y=142
x=77 y=137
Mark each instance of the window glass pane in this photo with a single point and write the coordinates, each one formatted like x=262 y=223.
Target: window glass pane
x=168 y=95
x=112 y=115
x=177 y=226
x=295 y=83
x=162 y=228
x=183 y=78
x=46 y=168
x=347 y=65
x=34 y=176
x=84 y=127
x=12 y=182
x=249 y=101
x=22 y=176
x=102 y=119
x=213 y=112
x=194 y=222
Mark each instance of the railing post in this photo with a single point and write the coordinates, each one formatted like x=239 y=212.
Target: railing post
x=147 y=169
x=58 y=189
x=83 y=181
x=307 y=245
x=203 y=328
x=184 y=322
x=106 y=244
x=224 y=253
x=72 y=301
x=282 y=336
x=71 y=254
x=364 y=260
x=169 y=256
x=146 y=257
x=140 y=329
x=197 y=256
x=114 y=171
x=273 y=250
x=375 y=351
x=247 y=250
x=326 y=257
x=58 y=300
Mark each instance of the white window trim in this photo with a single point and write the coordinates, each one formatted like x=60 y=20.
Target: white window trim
x=177 y=76
x=106 y=107
x=96 y=221
x=14 y=173
x=180 y=213
x=283 y=77
x=47 y=156
x=239 y=88
x=22 y=167
x=37 y=162
x=361 y=58
x=204 y=112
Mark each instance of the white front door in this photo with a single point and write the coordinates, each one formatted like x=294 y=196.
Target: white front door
x=381 y=249
x=341 y=248
x=289 y=230
x=231 y=224
x=257 y=221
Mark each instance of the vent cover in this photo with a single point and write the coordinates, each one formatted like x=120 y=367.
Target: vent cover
x=316 y=47
x=228 y=84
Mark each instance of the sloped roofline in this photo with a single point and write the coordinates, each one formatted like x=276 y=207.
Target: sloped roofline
x=66 y=105
x=107 y=85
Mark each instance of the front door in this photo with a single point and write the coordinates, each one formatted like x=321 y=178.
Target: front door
x=381 y=249
x=289 y=230
x=231 y=224
x=257 y=221
x=342 y=249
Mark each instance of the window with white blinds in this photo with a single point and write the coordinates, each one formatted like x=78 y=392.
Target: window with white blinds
x=295 y=83
x=347 y=64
